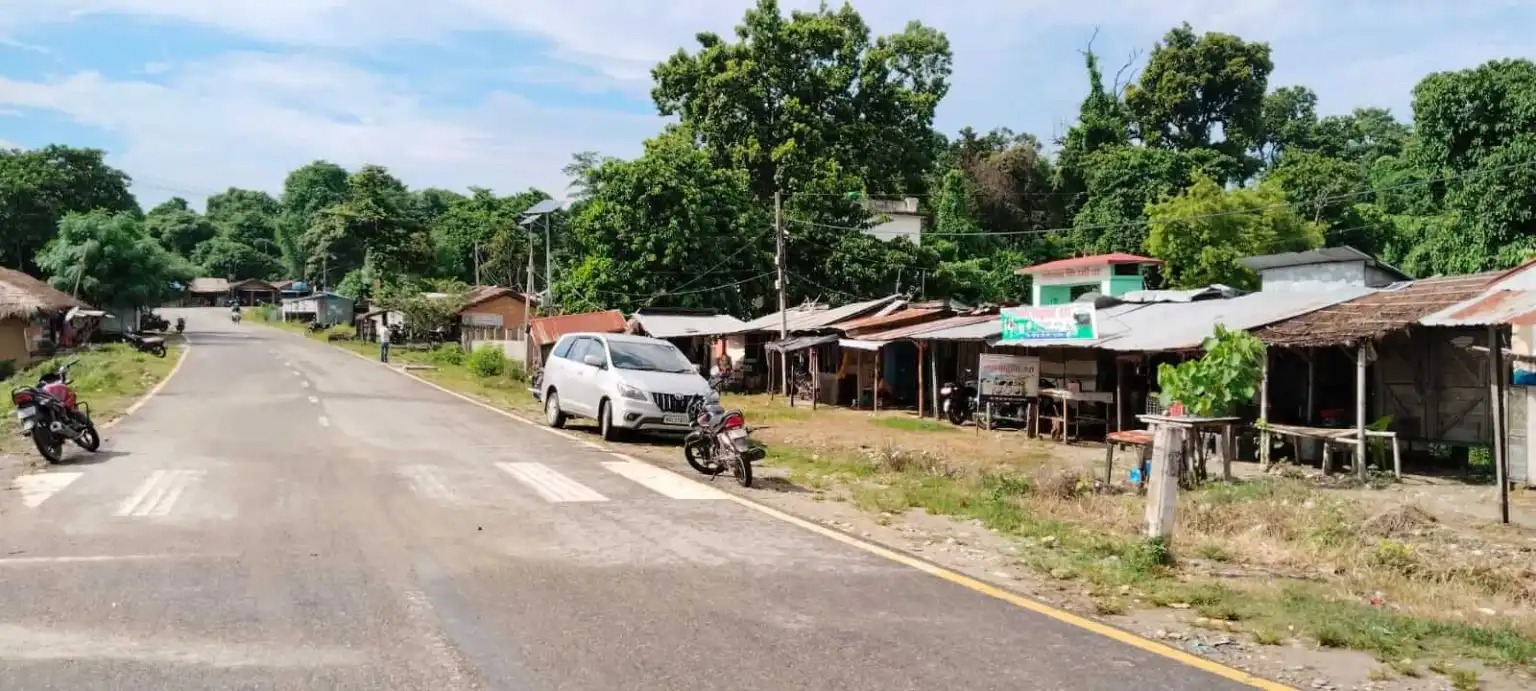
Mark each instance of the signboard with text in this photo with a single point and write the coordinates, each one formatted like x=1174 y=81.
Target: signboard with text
x=1007 y=378
x=1053 y=323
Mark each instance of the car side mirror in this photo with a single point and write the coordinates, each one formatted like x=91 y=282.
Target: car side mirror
x=593 y=360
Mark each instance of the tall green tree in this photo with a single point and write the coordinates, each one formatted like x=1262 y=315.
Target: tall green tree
x=111 y=261
x=669 y=228
x=1196 y=87
x=177 y=227
x=40 y=186
x=378 y=223
x=1477 y=128
x=793 y=94
x=307 y=191
x=1289 y=122
x=1202 y=232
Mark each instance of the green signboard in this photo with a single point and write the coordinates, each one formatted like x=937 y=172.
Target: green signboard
x=1073 y=322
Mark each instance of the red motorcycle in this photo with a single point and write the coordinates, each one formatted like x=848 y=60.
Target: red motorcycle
x=50 y=414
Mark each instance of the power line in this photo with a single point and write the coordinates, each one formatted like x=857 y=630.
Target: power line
x=1221 y=214
x=672 y=293
x=744 y=247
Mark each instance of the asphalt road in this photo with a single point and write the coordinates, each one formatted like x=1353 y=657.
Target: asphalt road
x=284 y=515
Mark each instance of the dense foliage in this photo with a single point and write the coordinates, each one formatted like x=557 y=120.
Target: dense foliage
x=1194 y=158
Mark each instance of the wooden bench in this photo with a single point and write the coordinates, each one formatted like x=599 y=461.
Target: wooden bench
x=1139 y=439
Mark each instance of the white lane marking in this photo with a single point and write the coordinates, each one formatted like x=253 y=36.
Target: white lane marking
x=549 y=484
x=313 y=399
x=592 y=445
x=36 y=489
x=325 y=421
x=304 y=384
x=428 y=481
x=158 y=494
x=663 y=482
x=296 y=373
x=88 y=559
x=565 y=434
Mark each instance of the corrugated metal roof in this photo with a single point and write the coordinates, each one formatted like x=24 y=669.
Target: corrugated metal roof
x=1326 y=255
x=904 y=317
x=1377 y=313
x=1206 y=293
x=1185 y=325
x=547 y=330
x=1496 y=306
x=811 y=319
x=680 y=325
x=208 y=285
x=920 y=331
x=973 y=328
x=1084 y=262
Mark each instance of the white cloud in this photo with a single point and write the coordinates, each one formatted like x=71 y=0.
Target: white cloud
x=247 y=119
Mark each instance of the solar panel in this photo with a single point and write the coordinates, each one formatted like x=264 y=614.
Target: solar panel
x=544 y=207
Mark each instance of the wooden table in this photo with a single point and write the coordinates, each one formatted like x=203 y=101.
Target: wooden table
x=1226 y=445
x=1342 y=437
x=1068 y=398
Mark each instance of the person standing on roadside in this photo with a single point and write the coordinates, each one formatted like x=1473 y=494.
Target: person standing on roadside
x=384 y=334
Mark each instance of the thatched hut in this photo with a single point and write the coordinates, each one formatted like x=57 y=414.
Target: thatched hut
x=31 y=313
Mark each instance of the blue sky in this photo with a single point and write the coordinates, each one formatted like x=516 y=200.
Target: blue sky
x=192 y=96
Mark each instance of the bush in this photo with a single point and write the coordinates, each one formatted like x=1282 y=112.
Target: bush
x=7 y=369
x=516 y=370
x=340 y=332
x=447 y=356
x=487 y=361
x=264 y=313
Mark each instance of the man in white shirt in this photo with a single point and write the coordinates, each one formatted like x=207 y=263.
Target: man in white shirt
x=384 y=334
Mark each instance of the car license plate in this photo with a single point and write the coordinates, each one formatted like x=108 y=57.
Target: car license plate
x=737 y=434
x=24 y=413
x=675 y=418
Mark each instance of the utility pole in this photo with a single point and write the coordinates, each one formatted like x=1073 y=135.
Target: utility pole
x=549 y=276
x=778 y=261
x=477 y=262
x=528 y=351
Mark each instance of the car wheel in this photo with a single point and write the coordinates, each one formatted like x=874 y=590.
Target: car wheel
x=552 y=413
x=605 y=422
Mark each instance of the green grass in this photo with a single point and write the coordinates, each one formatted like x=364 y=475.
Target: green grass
x=109 y=379
x=913 y=424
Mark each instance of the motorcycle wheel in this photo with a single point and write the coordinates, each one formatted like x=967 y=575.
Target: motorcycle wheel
x=90 y=439
x=742 y=468
x=159 y=351
x=50 y=445
x=956 y=414
x=701 y=462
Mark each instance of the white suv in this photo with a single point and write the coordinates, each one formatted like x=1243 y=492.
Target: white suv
x=623 y=382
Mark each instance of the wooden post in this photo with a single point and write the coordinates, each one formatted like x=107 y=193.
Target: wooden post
x=933 y=375
x=1360 y=409
x=1264 y=440
x=858 y=391
x=1228 y=450
x=815 y=376
x=1311 y=385
x=1496 y=386
x=877 y=382
x=1163 y=480
x=920 y=395
x=1119 y=395
x=1109 y=462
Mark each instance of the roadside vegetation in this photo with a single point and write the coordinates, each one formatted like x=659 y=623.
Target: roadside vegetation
x=109 y=378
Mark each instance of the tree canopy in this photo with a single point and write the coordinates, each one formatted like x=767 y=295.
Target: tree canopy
x=109 y=260
x=1189 y=155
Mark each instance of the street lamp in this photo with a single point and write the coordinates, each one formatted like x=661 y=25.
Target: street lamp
x=542 y=210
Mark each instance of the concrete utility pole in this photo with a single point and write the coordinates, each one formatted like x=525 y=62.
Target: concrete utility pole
x=778 y=261
x=549 y=275
x=477 y=262
x=1496 y=386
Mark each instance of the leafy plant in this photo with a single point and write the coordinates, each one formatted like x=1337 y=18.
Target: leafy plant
x=487 y=361
x=1227 y=375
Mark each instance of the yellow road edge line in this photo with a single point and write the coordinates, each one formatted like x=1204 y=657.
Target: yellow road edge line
x=186 y=348
x=929 y=568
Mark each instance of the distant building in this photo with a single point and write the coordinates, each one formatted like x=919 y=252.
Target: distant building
x=1330 y=267
x=895 y=218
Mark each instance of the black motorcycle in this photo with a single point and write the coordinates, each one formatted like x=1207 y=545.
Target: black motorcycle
x=958 y=402
x=720 y=441
x=181 y=324
x=50 y=414
x=154 y=322
x=154 y=345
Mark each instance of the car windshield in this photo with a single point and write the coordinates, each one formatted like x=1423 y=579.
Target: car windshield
x=648 y=357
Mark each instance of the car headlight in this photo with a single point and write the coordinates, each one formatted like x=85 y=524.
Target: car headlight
x=632 y=393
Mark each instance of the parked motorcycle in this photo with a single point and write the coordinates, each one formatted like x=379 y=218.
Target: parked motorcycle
x=154 y=345
x=154 y=322
x=720 y=441
x=181 y=324
x=958 y=402
x=49 y=414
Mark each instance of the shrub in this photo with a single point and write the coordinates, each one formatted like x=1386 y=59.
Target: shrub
x=447 y=356
x=7 y=369
x=516 y=370
x=487 y=361
x=340 y=332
